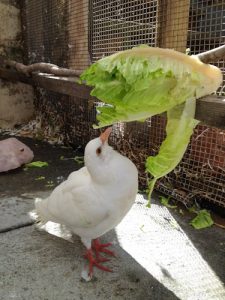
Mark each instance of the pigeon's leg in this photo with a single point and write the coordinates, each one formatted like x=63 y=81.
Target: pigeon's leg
x=98 y=247
x=94 y=262
x=89 y=255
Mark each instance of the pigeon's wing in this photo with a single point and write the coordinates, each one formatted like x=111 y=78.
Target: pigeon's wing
x=75 y=179
x=76 y=203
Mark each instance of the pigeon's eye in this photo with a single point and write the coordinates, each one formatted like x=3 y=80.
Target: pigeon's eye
x=22 y=149
x=99 y=151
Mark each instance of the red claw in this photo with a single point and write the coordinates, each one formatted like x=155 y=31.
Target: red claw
x=94 y=262
x=98 y=247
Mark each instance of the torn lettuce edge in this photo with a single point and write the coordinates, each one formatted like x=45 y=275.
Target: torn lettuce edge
x=139 y=104
x=179 y=128
x=135 y=90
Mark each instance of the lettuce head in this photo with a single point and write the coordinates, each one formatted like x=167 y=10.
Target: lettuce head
x=139 y=83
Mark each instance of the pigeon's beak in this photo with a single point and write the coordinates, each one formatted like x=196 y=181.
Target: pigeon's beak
x=105 y=135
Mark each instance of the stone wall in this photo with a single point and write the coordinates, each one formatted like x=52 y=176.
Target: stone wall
x=16 y=99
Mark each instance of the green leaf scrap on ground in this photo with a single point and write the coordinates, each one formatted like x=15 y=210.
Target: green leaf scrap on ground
x=50 y=183
x=193 y=209
x=141 y=227
x=202 y=220
x=165 y=201
x=181 y=211
x=40 y=178
x=79 y=159
x=37 y=164
x=174 y=224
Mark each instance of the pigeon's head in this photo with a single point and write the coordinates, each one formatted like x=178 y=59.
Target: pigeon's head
x=98 y=153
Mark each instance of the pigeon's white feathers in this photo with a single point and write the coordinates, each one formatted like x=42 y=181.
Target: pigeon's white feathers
x=42 y=211
x=95 y=198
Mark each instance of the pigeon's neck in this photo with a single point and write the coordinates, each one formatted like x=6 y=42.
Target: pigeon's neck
x=101 y=172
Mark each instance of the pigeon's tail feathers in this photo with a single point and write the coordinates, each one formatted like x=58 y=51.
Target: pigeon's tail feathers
x=41 y=206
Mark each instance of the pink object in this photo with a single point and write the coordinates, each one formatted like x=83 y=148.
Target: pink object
x=13 y=154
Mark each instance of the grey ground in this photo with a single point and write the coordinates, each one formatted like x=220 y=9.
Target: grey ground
x=159 y=255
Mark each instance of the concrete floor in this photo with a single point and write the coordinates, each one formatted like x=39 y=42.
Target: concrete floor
x=159 y=255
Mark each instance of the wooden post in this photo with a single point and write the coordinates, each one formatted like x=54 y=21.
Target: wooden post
x=78 y=56
x=173 y=18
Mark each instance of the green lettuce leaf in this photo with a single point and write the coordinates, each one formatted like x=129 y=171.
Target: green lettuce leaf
x=165 y=201
x=37 y=164
x=142 y=82
x=135 y=88
x=180 y=126
x=79 y=160
x=202 y=220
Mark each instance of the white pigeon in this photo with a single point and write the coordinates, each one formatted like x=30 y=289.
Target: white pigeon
x=94 y=199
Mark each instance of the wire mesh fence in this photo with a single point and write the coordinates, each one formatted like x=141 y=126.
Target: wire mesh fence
x=206 y=29
x=45 y=27
x=120 y=25
x=76 y=33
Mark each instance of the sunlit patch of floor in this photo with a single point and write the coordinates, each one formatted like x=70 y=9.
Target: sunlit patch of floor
x=52 y=228
x=157 y=242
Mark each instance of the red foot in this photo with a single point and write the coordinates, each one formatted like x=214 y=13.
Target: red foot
x=98 y=247
x=94 y=262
